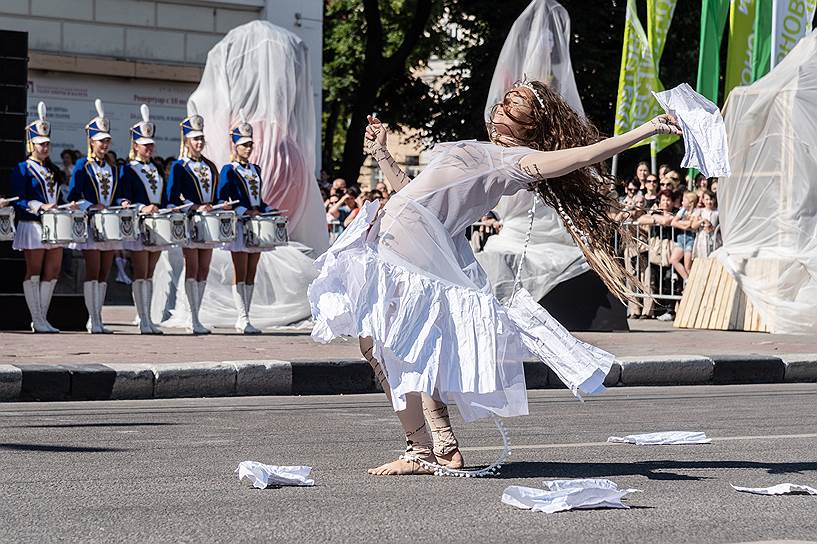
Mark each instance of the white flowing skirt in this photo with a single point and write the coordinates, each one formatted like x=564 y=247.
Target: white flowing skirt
x=436 y=337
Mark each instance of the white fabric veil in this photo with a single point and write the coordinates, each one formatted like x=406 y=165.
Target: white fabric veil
x=264 y=70
x=538 y=47
x=768 y=206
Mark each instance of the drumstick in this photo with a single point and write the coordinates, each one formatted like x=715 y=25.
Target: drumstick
x=222 y=205
x=176 y=209
x=273 y=214
x=13 y=199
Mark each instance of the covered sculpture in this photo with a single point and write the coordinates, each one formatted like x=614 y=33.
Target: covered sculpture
x=768 y=206
x=263 y=70
x=537 y=47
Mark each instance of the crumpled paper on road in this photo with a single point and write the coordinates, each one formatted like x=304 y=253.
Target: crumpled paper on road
x=562 y=495
x=779 y=489
x=662 y=438
x=263 y=476
x=705 y=145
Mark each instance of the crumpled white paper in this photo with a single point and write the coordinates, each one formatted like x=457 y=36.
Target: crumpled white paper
x=662 y=438
x=779 y=489
x=562 y=495
x=705 y=146
x=263 y=476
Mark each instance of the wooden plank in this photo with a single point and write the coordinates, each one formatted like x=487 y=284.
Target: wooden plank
x=708 y=297
x=687 y=299
x=719 y=303
x=695 y=287
x=730 y=296
x=749 y=318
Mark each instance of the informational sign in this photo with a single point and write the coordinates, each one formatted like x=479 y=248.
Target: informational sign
x=70 y=102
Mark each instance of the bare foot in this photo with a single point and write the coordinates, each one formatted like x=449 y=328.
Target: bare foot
x=451 y=460
x=402 y=468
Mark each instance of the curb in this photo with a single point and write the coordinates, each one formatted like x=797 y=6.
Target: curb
x=120 y=381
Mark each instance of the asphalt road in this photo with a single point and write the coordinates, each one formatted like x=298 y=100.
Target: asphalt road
x=162 y=470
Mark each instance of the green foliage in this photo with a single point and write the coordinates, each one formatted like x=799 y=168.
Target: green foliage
x=452 y=109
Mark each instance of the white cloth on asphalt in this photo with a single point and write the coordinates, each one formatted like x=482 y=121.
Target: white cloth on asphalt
x=662 y=438
x=263 y=476
x=779 y=489
x=705 y=146
x=562 y=495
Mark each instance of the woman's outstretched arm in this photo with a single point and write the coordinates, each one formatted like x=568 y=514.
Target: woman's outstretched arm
x=552 y=164
x=376 y=140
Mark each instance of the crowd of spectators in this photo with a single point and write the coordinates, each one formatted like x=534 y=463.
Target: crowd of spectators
x=672 y=223
x=343 y=202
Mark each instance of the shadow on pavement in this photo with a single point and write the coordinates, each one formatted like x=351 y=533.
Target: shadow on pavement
x=652 y=470
x=81 y=425
x=52 y=448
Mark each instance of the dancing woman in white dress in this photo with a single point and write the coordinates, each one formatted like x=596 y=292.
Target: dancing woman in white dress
x=405 y=281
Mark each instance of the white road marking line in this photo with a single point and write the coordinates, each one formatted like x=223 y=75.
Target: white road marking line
x=590 y=444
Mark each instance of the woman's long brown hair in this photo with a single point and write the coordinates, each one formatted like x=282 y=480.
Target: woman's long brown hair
x=582 y=197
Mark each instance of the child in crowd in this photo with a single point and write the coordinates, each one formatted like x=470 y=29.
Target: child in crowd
x=685 y=235
x=705 y=223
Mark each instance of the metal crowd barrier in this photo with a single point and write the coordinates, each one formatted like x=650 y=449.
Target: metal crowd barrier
x=335 y=228
x=648 y=258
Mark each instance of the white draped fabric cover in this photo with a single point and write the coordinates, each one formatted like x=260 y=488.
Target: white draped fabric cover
x=279 y=299
x=264 y=70
x=537 y=47
x=407 y=278
x=768 y=206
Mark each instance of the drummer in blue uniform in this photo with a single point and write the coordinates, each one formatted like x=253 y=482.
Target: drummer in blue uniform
x=241 y=180
x=193 y=180
x=36 y=188
x=95 y=186
x=144 y=186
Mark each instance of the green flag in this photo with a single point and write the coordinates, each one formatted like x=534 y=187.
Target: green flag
x=713 y=21
x=659 y=17
x=635 y=104
x=762 y=53
x=741 y=44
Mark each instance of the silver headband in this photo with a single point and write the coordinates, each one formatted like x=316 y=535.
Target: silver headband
x=525 y=83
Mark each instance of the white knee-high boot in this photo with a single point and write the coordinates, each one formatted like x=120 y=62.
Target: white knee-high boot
x=238 y=299
x=46 y=292
x=101 y=289
x=191 y=287
x=90 y=293
x=148 y=291
x=137 y=288
x=248 y=290
x=31 y=290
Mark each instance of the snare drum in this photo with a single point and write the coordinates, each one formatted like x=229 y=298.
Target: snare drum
x=115 y=225
x=266 y=232
x=164 y=229
x=215 y=227
x=64 y=226
x=7 y=223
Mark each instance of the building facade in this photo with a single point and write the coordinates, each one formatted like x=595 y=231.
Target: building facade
x=129 y=52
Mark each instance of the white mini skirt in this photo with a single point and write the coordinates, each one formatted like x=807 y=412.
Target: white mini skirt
x=29 y=235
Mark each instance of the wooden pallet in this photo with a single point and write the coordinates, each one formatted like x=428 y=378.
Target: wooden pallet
x=713 y=300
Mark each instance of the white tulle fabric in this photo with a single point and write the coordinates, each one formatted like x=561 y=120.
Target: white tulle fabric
x=264 y=70
x=406 y=276
x=768 y=206
x=537 y=47
x=279 y=298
